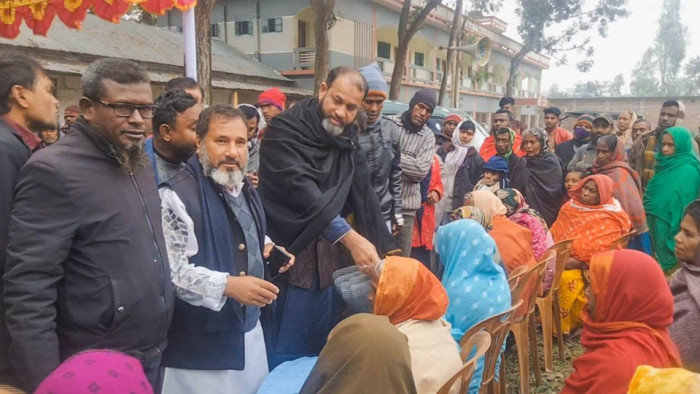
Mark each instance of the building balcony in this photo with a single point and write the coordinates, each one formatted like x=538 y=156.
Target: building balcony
x=412 y=73
x=304 y=58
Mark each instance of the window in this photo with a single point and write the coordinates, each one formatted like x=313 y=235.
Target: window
x=419 y=59
x=383 y=50
x=244 y=28
x=215 y=30
x=272 y=25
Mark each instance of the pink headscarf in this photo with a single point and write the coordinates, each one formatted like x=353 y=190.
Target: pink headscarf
x=106 y=371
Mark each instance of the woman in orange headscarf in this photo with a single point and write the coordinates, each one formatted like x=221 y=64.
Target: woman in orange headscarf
x=414 y=301
x=512 y=240
x=594 y=219
x=625 y=325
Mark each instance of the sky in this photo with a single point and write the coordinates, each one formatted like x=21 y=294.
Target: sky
x=619 y=52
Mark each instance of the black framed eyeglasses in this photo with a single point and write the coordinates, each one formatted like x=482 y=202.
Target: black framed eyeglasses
x=125 y=110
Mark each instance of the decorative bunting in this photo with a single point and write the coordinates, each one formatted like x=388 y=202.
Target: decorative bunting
x=39 y=14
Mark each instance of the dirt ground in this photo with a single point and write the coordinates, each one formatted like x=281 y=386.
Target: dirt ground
x=552 y=382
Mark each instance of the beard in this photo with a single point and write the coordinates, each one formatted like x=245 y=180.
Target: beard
x=131 y=158
x=227 y=178
x=335 y=131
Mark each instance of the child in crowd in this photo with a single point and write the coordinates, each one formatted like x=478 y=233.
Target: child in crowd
x=494 y=176
x=570 y=180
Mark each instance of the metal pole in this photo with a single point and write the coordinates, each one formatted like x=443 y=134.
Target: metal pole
x=188 y=32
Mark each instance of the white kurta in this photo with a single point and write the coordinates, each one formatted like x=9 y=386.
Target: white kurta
x=247 y=381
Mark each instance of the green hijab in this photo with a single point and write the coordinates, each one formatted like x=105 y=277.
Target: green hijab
x=675 y=184
x=512 y=134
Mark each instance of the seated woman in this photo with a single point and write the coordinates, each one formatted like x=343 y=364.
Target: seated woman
x=611 y=160
x=685 y=287
x=625 y=324
x=415 y=302
x=675 y=184
x=90 y=370
x=475 y=282
x=364 y=353
x=519 y=212
x=594 y=219
x=494 y=176
x=512 y=240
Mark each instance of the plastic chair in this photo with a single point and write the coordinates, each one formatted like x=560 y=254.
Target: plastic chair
x=549 y=306
x=621 y=243
x=515 y=276
x=498 y=327
x=481 y=340
x=527 y=289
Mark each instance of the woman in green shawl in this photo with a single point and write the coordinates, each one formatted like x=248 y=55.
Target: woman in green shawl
x=675 y=184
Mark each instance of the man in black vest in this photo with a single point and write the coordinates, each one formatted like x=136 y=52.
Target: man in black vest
x=214 y=227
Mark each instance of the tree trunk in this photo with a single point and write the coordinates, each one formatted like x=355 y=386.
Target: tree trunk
x=450 y=52
x=323 y=9
x=407 y=29
x=515 y=63
x=202 y=25
x=397 y=74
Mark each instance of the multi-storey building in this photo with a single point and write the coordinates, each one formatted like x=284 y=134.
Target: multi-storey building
x=280 y=33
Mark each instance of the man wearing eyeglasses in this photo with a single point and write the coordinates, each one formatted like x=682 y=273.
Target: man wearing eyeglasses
x=87 y=264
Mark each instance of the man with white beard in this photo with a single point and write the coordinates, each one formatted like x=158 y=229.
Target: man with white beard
x=214 y=227
x=315 y=184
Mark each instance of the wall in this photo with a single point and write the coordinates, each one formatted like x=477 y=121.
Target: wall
x=649 y=107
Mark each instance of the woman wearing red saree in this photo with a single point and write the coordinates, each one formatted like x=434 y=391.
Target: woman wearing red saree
x=625 y=324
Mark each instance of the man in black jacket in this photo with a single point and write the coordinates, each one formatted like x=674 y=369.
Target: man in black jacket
x=26 y=103
x=313 y=184
x=86 y=260
x=379 y=139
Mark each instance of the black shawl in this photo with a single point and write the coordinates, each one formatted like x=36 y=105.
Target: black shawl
x=307 y=177
x=540 y=180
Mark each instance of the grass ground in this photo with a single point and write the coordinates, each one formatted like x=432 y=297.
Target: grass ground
x=552 y=382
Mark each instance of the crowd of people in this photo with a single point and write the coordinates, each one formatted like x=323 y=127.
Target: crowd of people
x=162 y=245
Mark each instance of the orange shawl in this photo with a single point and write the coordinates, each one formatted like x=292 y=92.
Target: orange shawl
x=409 y=291
x=513 y=242
x=594 y=228
x=630 y=324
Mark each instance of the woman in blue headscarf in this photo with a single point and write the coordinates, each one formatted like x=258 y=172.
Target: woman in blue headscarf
x=476 y=283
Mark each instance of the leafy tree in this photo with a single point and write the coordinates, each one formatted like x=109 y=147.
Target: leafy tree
x=457 y=35
x=669 y=46
x=644 y=81
x=555 y=92
x=692 y=76
x=559 y=27
x=614 y=88
x=410 y=20
x=658 y=73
